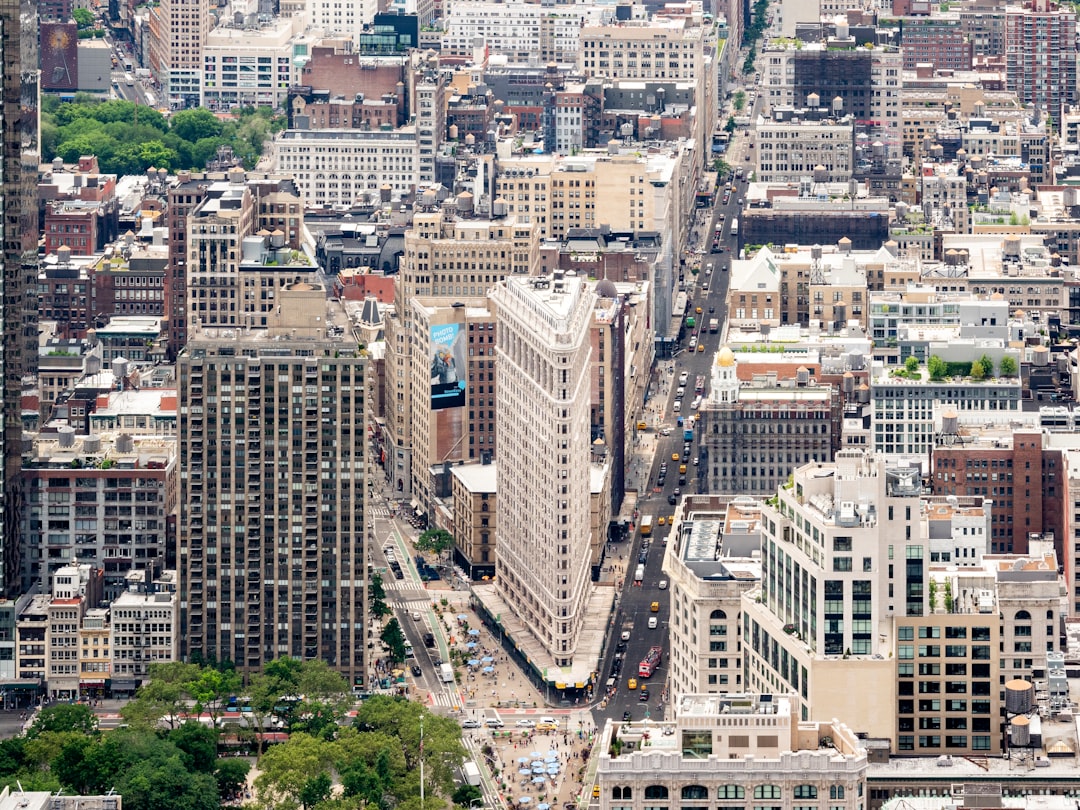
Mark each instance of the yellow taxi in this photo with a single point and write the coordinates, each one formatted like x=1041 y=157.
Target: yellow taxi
x=701 y=347
x=674 y=456
x=655 y=607
x=698 y=310
x=660 y=521
x=631 y=684
x=596 y=791
x=682 y=469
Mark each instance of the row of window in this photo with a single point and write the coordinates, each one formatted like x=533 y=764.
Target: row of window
x=728 y=792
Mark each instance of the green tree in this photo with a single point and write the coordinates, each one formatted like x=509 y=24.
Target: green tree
x=163 y=696
x=978 y=372
x=911 y=365
x=84 y=18
x=377 y=594
x=721 y=167
x=937 y=367
x=286 y=769
x=465 y=795
x=231 y=775
x=315 y=790
x=194 y=125
x=394 y=639
x=198 y=744
x=1007 y=368
x=64 y=717
x=210 y=688
x=739 y=100
x=730 y=126
x=987 y=364
x=438 y=541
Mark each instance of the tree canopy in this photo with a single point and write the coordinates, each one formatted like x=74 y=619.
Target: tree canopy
x=129 y=138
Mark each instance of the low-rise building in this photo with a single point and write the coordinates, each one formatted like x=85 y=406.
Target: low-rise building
x=144 y=629
x=474 y=494
x=721 y=749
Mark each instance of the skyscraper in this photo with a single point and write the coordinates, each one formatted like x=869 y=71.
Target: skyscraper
x=272 y=465
x=1040 y=56
x=18 y=295
x=542 y=554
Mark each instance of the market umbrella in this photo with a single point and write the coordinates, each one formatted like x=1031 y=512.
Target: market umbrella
x=543 y=806
x=553 y=769
x=487 y=659
x=536 y=755
x=523 y=760
x=525 y=772
x=488 y=670
x=539 y=780
x=472 y=662
x=462 y=617
x=474 y=632
x=525 y=800
x=553 y=754
x=470 y=645
x=551 y=757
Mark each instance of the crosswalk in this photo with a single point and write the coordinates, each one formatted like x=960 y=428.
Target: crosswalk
x=380 y=511
x=444 y=699
x=407 y=584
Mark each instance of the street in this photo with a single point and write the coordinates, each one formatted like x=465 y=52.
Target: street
x=708 y=290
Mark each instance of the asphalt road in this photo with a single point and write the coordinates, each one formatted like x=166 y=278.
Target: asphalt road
x=709 y=292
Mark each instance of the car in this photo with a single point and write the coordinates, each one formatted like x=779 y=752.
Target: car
x=652 y=622
x=494 y=722
x=677 y=406
x=671 y=500
x=643 y=558
x=631 y=684
x=416 y=671
x=626 y=716
x=525 y=724
x=701 y=347
x=660 y=521
x=416 y=615
x=398 y=574
x=542 y=726
x=662 y=585
x=712 y=310
x=471 y=724
x=740 y=201
x=660 y=480
x=674 y=456
x=621 y=646
x=655 y=607
x=693 y=343
x=677 y=492
x=644 y=696
x=596 y=791
x=625 y=635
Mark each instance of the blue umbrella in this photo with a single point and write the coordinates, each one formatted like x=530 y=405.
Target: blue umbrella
x=539 y=780
x=488 y=670
x=525 y=800
x=543 y=806
x=525 y=772
x=470 y=645
x=462 y=617
x=553 y=753
x=473 y=662
x=523 y=760
x=551 y=757
x=474 y=632
x=536 y=755
x=487 y=659
x=553 y=769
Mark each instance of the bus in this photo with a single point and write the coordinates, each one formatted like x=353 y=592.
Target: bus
x=646 y=525
x=734 y=227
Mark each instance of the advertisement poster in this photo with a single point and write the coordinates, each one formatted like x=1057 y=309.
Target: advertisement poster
x=448 y=366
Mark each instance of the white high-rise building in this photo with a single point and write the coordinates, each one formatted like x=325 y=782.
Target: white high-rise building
x=346 y=17
x=542 y=410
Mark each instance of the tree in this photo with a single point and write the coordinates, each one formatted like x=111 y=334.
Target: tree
x=377 y=594
x=937 y=367
x=438 y=541
x=720 y=166
x=84 y=18
x=199 y=745
x=64 y=717
x=194 y=125
x=977 y=370
x=988 y=365
x=163 y=696
x=465 y=795
x=911 y=365
x=730 y=126
x=739 y=101
x=394 y=639
x=286 y=769
x=210 y=688
x=231 y=776
x=315 y=790
x=1007 y=368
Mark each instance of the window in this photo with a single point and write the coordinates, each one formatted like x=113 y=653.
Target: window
x=656 y=792
x=836 y=791
x=806 y=791
x=731 y=792
x=767 y=792
x=695 y=792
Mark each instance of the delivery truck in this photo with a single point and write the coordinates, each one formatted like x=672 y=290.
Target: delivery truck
x=446 y=673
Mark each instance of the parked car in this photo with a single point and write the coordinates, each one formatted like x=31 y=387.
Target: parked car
x=416 y=670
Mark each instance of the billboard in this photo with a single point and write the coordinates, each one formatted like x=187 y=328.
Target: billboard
x=448 y=366
x=59 y=57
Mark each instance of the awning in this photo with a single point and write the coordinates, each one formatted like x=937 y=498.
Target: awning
x=415 y=504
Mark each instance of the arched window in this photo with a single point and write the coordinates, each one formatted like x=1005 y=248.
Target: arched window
x=622 y=793
x=656 y=792
x=718 y=614
x=1023 y=616
x=836 y=791
x=767 y=792
x=806 y=791
x=695 y=792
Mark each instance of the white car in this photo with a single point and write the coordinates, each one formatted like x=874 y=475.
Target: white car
x=652 y=622
x=625 y=635
x=677 y=407
x=662 y=585
x=525 y=724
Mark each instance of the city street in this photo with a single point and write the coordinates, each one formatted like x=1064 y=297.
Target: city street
x=708 y=291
